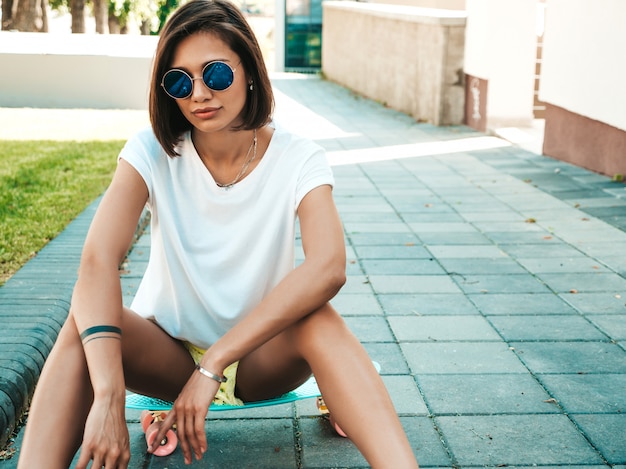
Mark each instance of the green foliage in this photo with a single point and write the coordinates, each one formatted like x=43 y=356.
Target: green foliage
x=152 y=12
x=43 y=186
x=166 y=8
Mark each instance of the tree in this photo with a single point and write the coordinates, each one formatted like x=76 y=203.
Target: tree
x=25 y=15
x=77 y=9
x=101 y=14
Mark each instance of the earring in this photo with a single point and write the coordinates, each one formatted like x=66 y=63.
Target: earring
x=251 y=85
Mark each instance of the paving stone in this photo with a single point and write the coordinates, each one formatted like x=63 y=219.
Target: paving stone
x=588 y=393
x=405 y=395
x=489 y=227
x=453 y=238
x=357 y=284
x=383 y=239
x=388 y=356
x=412 y=284
x=597 y=303
x=401 y=267
x=509 y=440
x=486 y=394
x=505 y=215
x=555 y=328
x=614 y=326
x=370 y=328
x=408 y=250
x=422 y=228
x=323 y=449
x=585 y=283
x=446 y=217
x=442 y=328
x=467 y=251
x=503 y=238
x=512 y=283
x=466 y=266
x=606 y=432
x=357 y=304
x=461 y=358
x=572 y=357
x=353 y=227
x=425 y=304
x=521 y=303
x=561 y=265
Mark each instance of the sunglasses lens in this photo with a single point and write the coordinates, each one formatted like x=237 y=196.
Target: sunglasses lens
x=218 y=76
x=177 y=84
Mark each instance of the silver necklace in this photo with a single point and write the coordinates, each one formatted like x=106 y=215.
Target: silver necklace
x=245 y=166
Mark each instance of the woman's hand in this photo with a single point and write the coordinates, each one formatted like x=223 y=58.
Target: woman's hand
x=105 y=439
x=189 y=413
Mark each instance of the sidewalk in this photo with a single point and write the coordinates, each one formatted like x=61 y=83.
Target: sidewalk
x=488 y=281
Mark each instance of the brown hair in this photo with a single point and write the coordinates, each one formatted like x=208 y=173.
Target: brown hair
x=222 y=18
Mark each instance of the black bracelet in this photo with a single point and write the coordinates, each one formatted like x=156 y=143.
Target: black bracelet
x=97 y=329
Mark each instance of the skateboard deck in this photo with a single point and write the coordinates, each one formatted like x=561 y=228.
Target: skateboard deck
x=307 y=390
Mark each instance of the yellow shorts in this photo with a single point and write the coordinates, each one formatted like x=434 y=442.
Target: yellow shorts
x=226 y=392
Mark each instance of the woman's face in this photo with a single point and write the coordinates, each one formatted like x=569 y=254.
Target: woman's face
x=205 y=109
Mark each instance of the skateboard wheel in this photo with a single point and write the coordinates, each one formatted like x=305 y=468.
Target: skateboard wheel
x=168 y=444
x=149 y=423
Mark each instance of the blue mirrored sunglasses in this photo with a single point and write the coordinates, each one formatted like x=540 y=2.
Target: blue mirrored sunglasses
x=217 y=76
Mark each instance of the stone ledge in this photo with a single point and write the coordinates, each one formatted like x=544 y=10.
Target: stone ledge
x=403 y=12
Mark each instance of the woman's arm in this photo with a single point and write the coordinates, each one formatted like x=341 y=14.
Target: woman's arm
x=97 y=301
x=97 y=297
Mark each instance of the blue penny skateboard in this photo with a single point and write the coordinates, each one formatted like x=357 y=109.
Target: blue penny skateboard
x=154 y=411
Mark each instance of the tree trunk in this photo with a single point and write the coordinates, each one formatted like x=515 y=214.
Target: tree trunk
x=26 y=17
x=101 y=13
x=114 y=25
x=7 y=15
x=77 y=9
x=43 y=5
x=145 y=28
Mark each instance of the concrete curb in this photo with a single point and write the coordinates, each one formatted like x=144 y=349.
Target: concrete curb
x=34 y=304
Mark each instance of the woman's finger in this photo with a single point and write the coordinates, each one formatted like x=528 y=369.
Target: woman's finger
x=168 y=423
x=200 y=435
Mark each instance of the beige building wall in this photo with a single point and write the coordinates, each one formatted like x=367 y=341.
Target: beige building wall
x=582 y=83
x=408 y=58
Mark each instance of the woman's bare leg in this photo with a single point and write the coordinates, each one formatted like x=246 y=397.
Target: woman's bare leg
x=60 y=405
x=352 y=388
x=153 y=361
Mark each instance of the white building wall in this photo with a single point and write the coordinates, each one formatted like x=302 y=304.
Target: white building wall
x=75 y=70
x=501 y=47
x=584 y=59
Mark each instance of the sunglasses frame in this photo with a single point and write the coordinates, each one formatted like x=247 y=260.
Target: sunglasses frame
x=233 y=70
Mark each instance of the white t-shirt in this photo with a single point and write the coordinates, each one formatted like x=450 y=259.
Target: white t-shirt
x=216 y=253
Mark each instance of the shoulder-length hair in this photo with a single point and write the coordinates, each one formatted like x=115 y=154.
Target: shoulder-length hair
x=222 y=18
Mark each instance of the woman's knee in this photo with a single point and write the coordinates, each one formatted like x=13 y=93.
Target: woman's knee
x=321 y=328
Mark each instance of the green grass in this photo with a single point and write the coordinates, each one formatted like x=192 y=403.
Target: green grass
x=44 y=185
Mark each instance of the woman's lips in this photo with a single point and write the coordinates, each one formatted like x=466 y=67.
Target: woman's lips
x=205 y=113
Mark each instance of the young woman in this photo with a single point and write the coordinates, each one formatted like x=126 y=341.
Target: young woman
x=220 y=299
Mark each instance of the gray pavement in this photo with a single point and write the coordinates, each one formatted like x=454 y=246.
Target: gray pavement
x=488 y=281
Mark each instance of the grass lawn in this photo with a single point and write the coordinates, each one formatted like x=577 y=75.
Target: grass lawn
x=43 y=186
